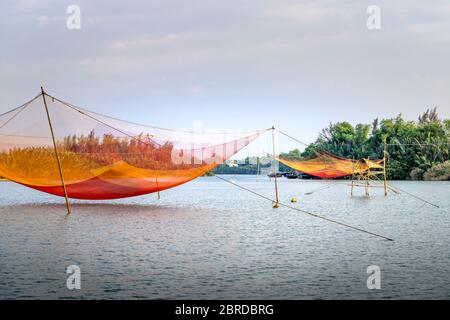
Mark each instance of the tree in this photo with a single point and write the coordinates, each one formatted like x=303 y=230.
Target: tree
x=430 y=115
x=413 y=147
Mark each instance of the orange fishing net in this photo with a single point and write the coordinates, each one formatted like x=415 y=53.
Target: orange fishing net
x=328 y=166
x=103 y=157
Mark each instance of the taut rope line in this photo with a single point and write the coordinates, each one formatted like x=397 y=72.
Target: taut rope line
x=19 y=108
x=81 y=111
x=78 y=108
x=414 y=196
x=307 y=212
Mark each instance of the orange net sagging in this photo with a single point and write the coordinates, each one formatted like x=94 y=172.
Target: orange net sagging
x=328 y=166
x=103 y=157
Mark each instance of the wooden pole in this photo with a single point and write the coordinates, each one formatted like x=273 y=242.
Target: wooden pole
x=368 y=177
x=56 y=151
x=353 y=185
x=384 y=168
x=276 y=205
x=353 y=176
x=367 y=185
x=157 y=186
x=257 y=167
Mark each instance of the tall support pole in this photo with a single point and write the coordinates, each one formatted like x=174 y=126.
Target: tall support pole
x=367 y=185
x=353 y=177
x=157 y=186
x=56 y=151
x=258 y=169
x=276 y=205
x=368 y=178
x=384 y=167
x=353 y=186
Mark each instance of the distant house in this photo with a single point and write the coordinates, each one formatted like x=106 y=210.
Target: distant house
x=232 y=163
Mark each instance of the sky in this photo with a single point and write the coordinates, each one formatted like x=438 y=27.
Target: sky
x=233 y=65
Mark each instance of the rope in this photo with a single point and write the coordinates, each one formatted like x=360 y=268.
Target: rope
x=398 y=190
x=314 y=147
x=418 y=144
x=388 y=144
x=416 y=197
x=306 y=212
x=330 y=185
x=119 y=130
x=140 y=124
x=295 y=139
x=16 y=108
x=20 y=108
x=104 y=123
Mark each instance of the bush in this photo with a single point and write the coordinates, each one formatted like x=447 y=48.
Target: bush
x=440 y=171
x=416 y=174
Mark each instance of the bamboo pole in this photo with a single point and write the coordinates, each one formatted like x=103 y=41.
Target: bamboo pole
x=353 y=176
x=276 y=205
x=258 y=172
x=351 y=191
x=367 y=185
x=56 y=152
x=157 y=186
x=367 y=178
x=384 y=168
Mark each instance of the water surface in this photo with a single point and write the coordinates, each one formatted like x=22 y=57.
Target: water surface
x=210 y=240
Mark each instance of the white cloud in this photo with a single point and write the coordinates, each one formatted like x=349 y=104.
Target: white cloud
x=307 y=12
x=318 y=51
x=197 y=89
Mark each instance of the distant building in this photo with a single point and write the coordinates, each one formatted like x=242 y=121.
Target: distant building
x=232 y=163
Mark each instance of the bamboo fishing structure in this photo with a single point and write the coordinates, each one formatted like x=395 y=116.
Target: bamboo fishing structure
x=363 y=179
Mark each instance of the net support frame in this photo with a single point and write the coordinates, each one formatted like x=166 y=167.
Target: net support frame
x=56 y=152
x=276 y=204
x=384 y=168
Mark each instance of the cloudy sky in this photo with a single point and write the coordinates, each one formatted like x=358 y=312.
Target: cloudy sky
x=231 y=64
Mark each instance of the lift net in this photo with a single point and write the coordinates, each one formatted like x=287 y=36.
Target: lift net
x=328 y=166
x=103 y=157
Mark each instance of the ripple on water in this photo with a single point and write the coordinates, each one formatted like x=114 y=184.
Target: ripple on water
x=210 y=240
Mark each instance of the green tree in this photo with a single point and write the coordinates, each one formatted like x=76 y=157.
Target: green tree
x=413 y=147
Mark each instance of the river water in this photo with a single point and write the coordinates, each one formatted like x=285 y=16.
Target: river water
x=208 y=239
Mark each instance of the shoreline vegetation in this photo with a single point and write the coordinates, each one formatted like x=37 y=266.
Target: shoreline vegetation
x=416 y=150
